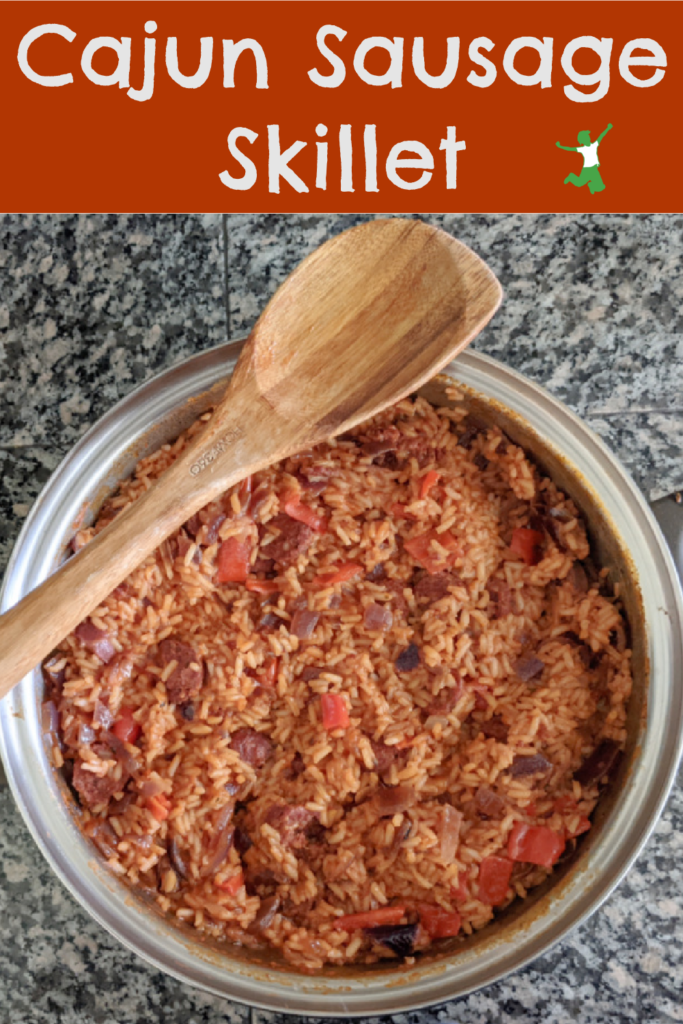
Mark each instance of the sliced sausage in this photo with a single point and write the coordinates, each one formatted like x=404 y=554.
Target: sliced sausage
x=495 y=729
x=292 y=823
x=384 y=755
x=95 y=640
x=187 y=678
x=529 y=668
x=408 y=659
x=293 y=538
x=433 y=588
x=500 y=598
x=93 y=789
x=253 y=747
x=447 y=698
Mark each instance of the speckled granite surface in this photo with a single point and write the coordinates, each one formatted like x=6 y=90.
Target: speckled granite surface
x=90 y=306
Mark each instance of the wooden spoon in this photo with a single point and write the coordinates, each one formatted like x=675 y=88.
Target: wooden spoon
x=362 y=322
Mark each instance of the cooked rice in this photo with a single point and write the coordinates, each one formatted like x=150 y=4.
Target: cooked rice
x=353 y=860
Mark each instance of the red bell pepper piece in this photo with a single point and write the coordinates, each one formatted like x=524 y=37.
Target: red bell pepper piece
x=428 y=481
x=334 y=710
x=535 y=844
x=494 y=879
x=430 y=558
x=437 y=922
x=125 y=726
x=341 y=575
x=233 y=560
x=296 y=509
x=527 y=543
x=369 y=918
x=263 y=586
x=159 y=805
x=231 y=885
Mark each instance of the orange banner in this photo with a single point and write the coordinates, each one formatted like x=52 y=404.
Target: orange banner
x=341 y=106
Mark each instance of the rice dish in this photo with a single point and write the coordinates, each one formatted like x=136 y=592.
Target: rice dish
x=356 y=706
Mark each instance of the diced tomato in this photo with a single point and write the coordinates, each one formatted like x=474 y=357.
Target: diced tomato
x=494 y=879
x=334 y=710
x=159 y=805
x=423 y=552
x=398 y=511
x=244 y=492
x=125 y=726
x=296 y=509
x=535 y=844
x=428 y=481
x=231 y=885
x=341 y=575
x=459 y=892
x=531 y=809
x=527 y=543
x=369 y=919
x=233 y=560
x=263 y=586
x=439 y=923
x=268 y=676
x=583 y=826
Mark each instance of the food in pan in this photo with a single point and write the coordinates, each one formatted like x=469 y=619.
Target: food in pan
x=356 y=706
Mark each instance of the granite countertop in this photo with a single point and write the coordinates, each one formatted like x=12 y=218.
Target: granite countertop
x=91 y=306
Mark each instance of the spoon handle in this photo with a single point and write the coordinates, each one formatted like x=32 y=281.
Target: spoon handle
x=238 y=440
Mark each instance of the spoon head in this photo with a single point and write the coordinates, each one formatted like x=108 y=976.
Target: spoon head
x=366 y=319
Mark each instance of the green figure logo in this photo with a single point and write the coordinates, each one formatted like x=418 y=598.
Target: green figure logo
x=590 y=175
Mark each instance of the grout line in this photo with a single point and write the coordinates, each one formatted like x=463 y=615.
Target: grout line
x=635 y=412
x=226 y=273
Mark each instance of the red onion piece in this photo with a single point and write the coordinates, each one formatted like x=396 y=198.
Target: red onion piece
x=529 y=765
x=86 y=734
x=104 y=838
x=528 y=668
x=121 y=806
x=303 y=623
x=50 y=718
x=225 y=834
x=489 y=804
x=129 y=762
x=449 y=833
x=143 y=843
x=53 y=678
x=598 y=764
x=102 y=715
x=176 y=859
x=399 y=938
x=258 y=499
x=213 y=526
x=394 y=800
x=378 y=616
x=120 y=670
x=95 y=640
x=388 y=444
x=151 y=787
x=267 y=911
